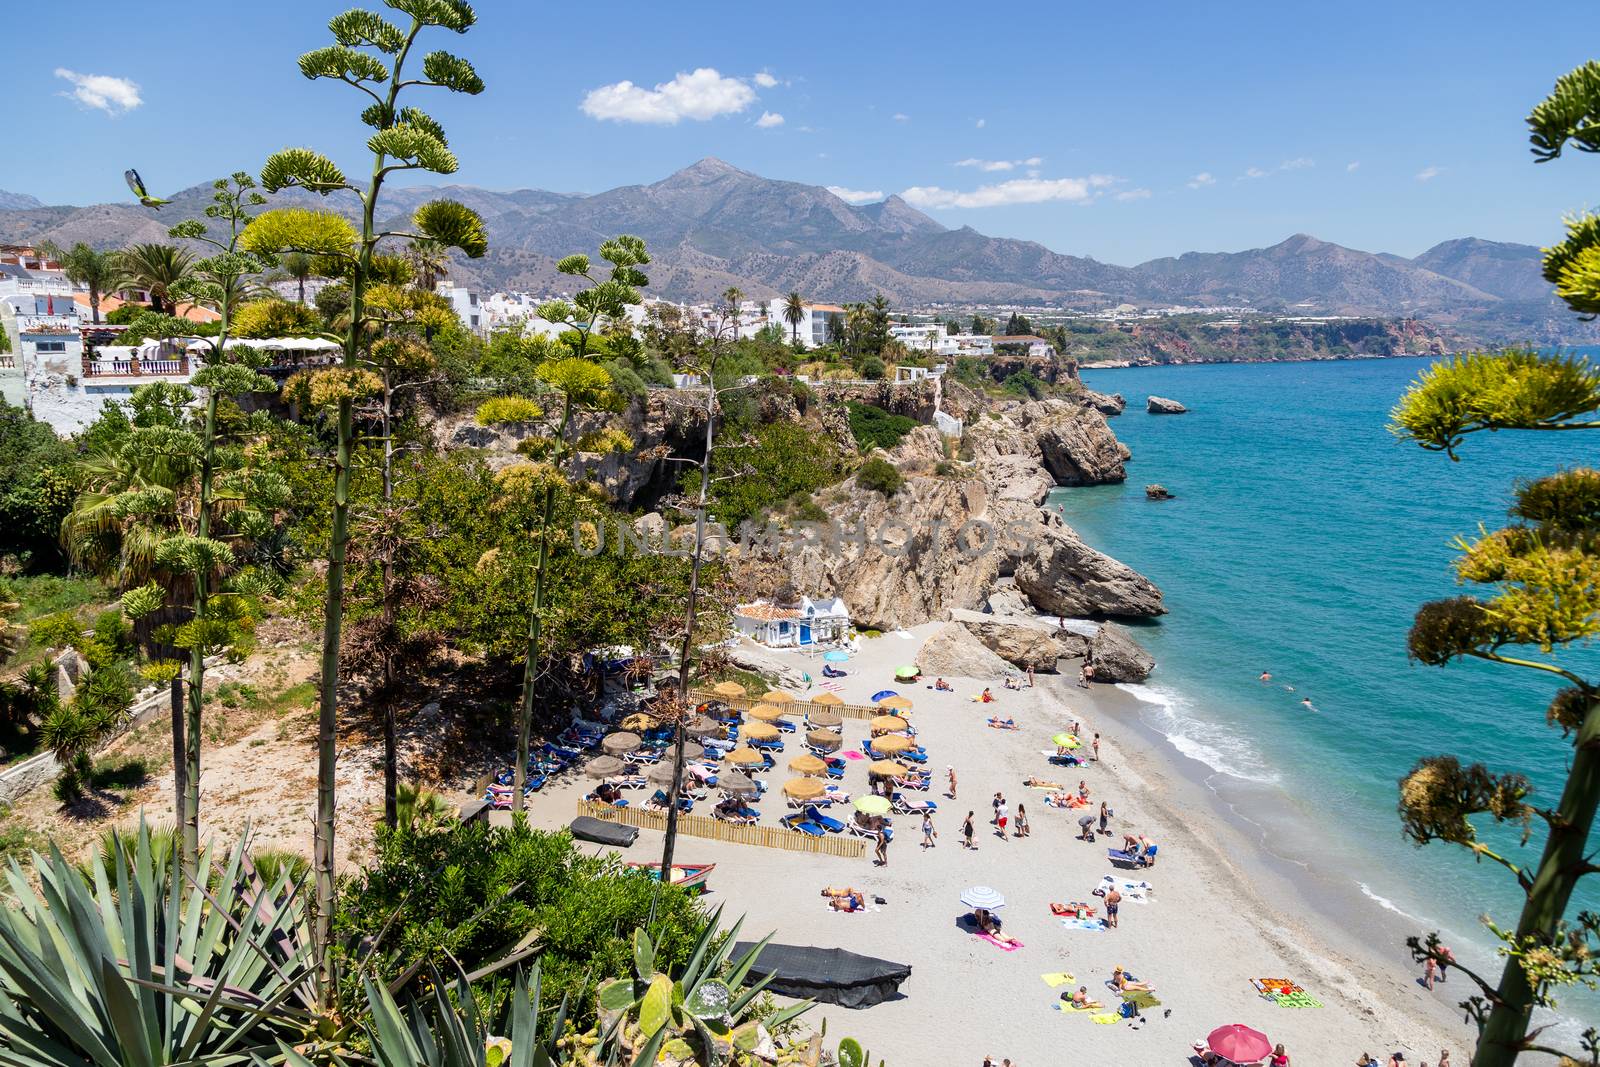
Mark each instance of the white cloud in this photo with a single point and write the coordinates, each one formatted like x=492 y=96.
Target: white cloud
x=901 y=116
x=1256 y=172
x=1427 y=174
x=765 y=80
x=1015 y=191
x=982 y=123
x=856 y=196
x=702 y=95
x=992 y=165
x=769 y=119
x=1201 y=180
x=114 y=96
x=1351 y=168
x=1134 y=194
x=1298 y=163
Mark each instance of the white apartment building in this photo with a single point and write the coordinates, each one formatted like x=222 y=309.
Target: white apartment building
x=465 y=303
x=815 y=325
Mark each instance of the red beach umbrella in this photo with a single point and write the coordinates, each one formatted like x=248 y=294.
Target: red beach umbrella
x=1239 y=1043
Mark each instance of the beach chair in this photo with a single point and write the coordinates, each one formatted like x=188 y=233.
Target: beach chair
x=643 y=757
x=799 y=822
x=832 y=825
x=768 y=746
x=1119 y=857
x=785 y=726
x=907 y=806
x=919 y=782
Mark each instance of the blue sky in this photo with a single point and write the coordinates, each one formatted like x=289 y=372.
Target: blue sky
x=1118 y=131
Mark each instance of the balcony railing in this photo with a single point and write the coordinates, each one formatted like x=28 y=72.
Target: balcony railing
x=51 y=324
x=135 y=368
x=8 y=362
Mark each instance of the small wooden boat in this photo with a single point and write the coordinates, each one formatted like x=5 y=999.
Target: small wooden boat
x=690 y=876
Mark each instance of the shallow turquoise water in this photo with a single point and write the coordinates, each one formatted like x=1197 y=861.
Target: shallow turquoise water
x=1302 y=539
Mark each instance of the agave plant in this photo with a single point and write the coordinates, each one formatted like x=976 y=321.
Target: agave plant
x=702 y=1017
x=441 y=1031
x=132 y=966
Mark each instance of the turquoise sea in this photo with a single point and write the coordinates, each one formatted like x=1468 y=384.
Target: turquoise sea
x=1301 y=540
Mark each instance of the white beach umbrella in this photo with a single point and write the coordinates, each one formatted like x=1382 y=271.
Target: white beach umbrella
x=982 y=896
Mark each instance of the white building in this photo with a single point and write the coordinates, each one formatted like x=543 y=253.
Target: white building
x=804 y=625
x=465 y=303
x=815 y=324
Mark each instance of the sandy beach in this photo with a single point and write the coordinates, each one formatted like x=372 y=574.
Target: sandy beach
x=1215 y=919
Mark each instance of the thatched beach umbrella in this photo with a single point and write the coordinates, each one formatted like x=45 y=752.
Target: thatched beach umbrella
x=890 y=744
x=827 y=698
x=824 y=717
x=734 y=782
x=728 y=689
x=887 y=768
x=618 y=743
x=692 y=751
x=745 y=757
x=639 y=721
x=888 y=724
x=704 y=727
x=761 y=731
x=603 y=767
x=826 y=740
x=776 y=696
x=898 y=702
x=766 y=712
x=660 y=773
x=804 y=788
x=808 y=765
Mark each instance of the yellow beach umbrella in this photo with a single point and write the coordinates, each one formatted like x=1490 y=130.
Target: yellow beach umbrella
x=827 y=698
x=887 y=768
x=897 y=702
x=807 y=765
x=776 y=696
x=761 y=731
x=804 y=788
x=890 y=744
x=766 y=712
x=888 y=724
x=728 y=689
x=745 y=757
x=638 y=722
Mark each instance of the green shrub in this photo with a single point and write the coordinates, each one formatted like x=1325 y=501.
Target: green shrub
x=874 y=427
x=872 y=368
x=624 y=379
x=500 y=410
x=780 y=461
x=475 y=891
x=59 y=630
x=879 y=474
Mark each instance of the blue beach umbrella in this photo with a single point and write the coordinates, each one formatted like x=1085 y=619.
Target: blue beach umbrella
x=836 y=656
x=880 y=694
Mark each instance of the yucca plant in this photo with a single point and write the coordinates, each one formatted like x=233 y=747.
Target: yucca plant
x=136 y=967
x=702 y=1017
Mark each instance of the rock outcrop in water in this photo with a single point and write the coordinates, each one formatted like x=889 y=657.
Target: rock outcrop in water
x=1070 y=440
x=1160 y=405
x=1061 y=575
x=1117 y=657
x=1023 y=641
x=1109 y=405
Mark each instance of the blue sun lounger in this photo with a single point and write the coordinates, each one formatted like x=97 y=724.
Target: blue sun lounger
x=799 y=822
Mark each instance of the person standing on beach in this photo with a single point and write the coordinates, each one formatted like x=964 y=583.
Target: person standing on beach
x=1096 y=747
x=882 y=850
x=928 y=832
x=1446 y=958
x=1105 y=816
x=1030 y=676
x=1086 y=828
x=1022 y=821
x=966 y=832
x=1085 y=675
x=1113 y=903
x=1429 y=966
x=1001 y=814
x=952 y=771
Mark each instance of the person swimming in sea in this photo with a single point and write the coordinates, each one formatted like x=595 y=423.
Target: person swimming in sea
x=1306 y=703
x=1266 y=676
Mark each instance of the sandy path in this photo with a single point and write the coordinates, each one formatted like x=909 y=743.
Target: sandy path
x=1209 y=928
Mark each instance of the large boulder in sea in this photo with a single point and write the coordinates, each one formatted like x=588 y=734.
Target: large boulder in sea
x=1007 y=599
x=1160 y=405
x=953 y=651
x=1108 y=405
x=1060 y=575
x=1076 y=445
x=1023 y=641
x=1117 y=657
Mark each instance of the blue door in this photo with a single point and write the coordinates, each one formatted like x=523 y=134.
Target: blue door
x=805 y=633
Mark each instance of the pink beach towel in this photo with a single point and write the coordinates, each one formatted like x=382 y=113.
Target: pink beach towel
x=1001 y=945
x=853 y=754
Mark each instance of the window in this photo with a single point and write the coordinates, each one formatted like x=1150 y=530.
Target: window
x=472 y=298
x=50 y=346
x=474 y=321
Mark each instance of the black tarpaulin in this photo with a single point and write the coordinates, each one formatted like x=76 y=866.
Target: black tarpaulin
x=588 y=828
x=826 y=975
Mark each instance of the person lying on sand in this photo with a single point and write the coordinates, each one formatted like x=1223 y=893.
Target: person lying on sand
x=1007 y=723
x=1039 y=783
x=1122 y=983
x=845 y=899
x=1081 y=999
x=988 y=924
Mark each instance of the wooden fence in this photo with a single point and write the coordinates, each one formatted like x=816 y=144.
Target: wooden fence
x=797 y=708
x=717 y=830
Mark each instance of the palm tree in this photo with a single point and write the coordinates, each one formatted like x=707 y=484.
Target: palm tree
x=97 y=270
x=794 y=313
x=431 y=261
x=157 y=269
x=297 y=265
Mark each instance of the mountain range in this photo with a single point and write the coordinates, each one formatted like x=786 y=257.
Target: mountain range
x=712 y=225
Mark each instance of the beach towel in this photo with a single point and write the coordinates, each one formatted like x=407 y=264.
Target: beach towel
x=853 y=754
x=1001 y=945
x=1068 y=1009
x=1301 y=999
x=1057 y=978
x=1084 y=924
x=1137 y=892
x=1269 y=987
x=1106 y=1018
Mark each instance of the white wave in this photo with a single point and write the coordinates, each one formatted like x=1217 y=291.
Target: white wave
x=1385 y=903
x=1086 y=627
x=1219 y=747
